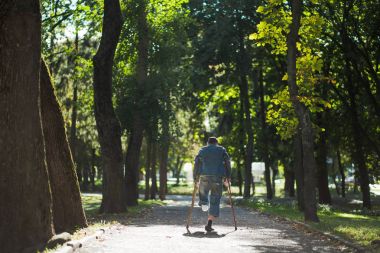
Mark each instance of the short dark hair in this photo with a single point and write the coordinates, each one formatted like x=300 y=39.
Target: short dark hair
x=212 y=140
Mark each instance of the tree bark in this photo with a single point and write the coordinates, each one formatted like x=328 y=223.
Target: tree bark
x=25 y=196
x=67 y=204
x=133 y=152
x=289 y=182
x=264 y=137
x=298 y=170
x=132 y=163
x=323 y=176
x=153 y=189
x=163 y=156
x=342 y=174
x=274 y=175
x=243 y=87
x=108 y=125
x=93 y=170
x=358 y=152
x=303 y=115
x=147 y=167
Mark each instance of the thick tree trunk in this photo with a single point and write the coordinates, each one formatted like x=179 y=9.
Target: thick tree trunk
x=25 y=196
x=342 y=174
x=264 y=137
x=303 y=114
x=133 y=152
x=153 y=189
x=148 y=166
x=323 y=176
x=67 y=204
x=108 y=125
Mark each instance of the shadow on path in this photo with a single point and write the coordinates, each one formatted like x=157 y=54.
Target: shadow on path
x=202 y=234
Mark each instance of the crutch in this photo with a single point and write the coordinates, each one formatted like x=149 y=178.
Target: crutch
x=232 y=205
x=191 y=207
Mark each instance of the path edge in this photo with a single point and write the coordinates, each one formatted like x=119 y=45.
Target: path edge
x=306 y=226
x=73 y=245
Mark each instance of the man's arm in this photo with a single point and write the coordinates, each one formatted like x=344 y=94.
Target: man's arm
x=227 y=163
x=197 y=166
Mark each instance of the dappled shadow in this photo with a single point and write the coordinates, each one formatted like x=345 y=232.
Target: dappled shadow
x=202 y=234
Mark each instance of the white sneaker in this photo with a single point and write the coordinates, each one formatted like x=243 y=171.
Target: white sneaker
x=204 y=208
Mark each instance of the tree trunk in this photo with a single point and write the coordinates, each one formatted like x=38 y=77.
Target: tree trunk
x=132 y=163
x=86 y=174
x=147 y=167
x=108 y=125
x=274 y=175
x=343 y=176
x=133 y=152
x=93 y=170
x=358 y=155
x=240 y=178
x=358 y=152
x=323 y=176
x=298 y=168
x=25 y=196
x=303 y=114
x=264 y=137
x=243 y=87
x=67 y=204
x=289 y=182
x=153 y=189
x=336 y=185
x=163 y=156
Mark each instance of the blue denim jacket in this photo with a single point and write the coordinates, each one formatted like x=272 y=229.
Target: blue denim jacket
x=212 y=160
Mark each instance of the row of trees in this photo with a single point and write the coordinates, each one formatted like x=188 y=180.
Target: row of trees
x=143 y=83
x=177 y=64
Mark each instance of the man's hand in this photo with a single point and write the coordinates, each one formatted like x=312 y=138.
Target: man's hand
x=196 y=182
x=227 y=182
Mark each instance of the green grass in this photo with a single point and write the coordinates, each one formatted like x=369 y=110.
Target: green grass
x=354 y=227
x=96 y=220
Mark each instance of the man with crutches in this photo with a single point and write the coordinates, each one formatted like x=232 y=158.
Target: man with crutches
x=212 y=166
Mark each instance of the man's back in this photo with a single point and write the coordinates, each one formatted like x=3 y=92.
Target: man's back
x=212 y=159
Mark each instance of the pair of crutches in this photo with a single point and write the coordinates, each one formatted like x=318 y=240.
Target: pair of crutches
x=192 y=205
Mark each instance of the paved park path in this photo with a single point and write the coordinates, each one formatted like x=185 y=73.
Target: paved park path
x=163 y=231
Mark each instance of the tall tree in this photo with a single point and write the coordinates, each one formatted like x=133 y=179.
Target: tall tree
x=303 y=115
x=25 y=196
x=67 y=204
x=108 y=125
x=136 y=136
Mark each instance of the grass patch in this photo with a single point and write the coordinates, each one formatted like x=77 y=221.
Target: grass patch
x=91 y=205
x=362 y=229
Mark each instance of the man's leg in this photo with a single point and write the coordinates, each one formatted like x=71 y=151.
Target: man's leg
x=204 y=189
x=216 y=194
